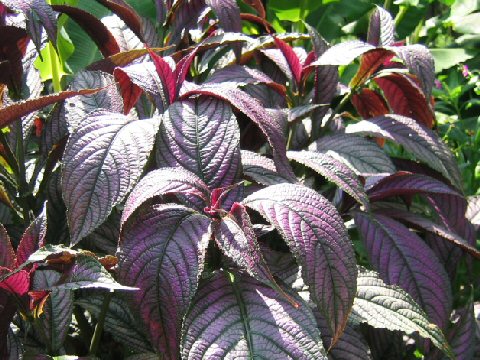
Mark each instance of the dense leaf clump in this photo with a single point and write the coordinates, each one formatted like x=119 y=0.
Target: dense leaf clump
x=202 y=193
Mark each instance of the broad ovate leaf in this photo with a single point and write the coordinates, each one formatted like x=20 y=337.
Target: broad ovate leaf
x=402 y=258
x=103 y=160
x=415 y=138
x=365 y=157
x=317 y=237
x=343 y=53
x=201 y=136
x=7 y=255
x=236 y=317
x=33 y=238
x=162 y=252
x=389 y=307
x=335 y=171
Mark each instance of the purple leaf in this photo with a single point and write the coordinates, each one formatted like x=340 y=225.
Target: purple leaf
x=363 y=156
x=13 y=46
x=420 y=63
x=280 y=63
x=405 y=183
x=57 y=312
x=257 y=113
x=236 y=238
x=292 y=59
x=317 y=237
x=7 y=255
x=15 y=347
x=420 y=141
x=103 y=160
x=105 y=237
x=343 y=53
x=168 y=181
x=32 y=239
x=234 y=316
x=381 y=29
x=183 y=16
x=462 y=334
x=201 y=136
x=55 y=130
x=162 y=252
x=260 y=169
x=402 y=258
x=335 y=171
x=389 y=307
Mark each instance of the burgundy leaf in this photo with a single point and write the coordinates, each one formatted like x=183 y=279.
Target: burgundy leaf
x=278 y=63
x=103 y=160
x=166 y=75
x=201 y=136
x=10 y=113
x=343 y=53
x=17 y=283
x=381 y=29
x=406 y=98
x=7 y=255
x=415 y=138
x=402 y=258
x=168 y=181
x=317 y=237
x=255 y=111
x=162 y=252
x=129 y=90
x=370 y=63
x=13 y=45
x=260 y=169
x=258 y=6
x=420 y=63
x=369 y=103
x=234 y=316
x=405 y=183
x=32 y=239
x=182 y=69
x=335 y=171
x=292 y=59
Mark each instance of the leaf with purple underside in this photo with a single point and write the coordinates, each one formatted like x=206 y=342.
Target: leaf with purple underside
x=260 y=169
x=389 y=307
x=343 y=53
x=381 y=29
x=317 y=237
x=7 y=255
x=201 y=136
x=179 y=182
x=103 y=160
x=415 y=138
x=462 y=335
x=292 y=59
x=402 y=258
x=252 y=108
x=162 y=252
x=335 y=171
x=33 y=238
x=365 y=157
x=234 y=316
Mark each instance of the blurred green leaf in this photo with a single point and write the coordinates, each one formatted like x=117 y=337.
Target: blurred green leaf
x=446 y=58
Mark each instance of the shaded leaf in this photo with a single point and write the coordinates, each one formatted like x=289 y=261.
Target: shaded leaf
x=103 y=160
x=234 y=316
x=370 y=63
x=417 y=139
x=317 y=237
x=33 y=238
x=13 y=45
x=7 y=255
x=162 y=252
x=260 y=169
x=462 y=334
x=381 y=29
x=369 y=103
x=292 y=59
x=402 y=258
x=389 y=307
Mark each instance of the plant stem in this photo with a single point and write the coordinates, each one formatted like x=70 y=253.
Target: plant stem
x=54 y=62
x=21 y=174
x=83 y=325
x=401 y=14
x=387 y=4
x=97 y=335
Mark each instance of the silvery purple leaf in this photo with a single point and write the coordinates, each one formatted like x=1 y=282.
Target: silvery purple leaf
x=402 y=258
x=389 y=307
x=55 y=129
x=183 y=16
x=107 y=99
x=33 y=238
x=415 y=138
x=473 y=209
x=335 y=171
x=260 y=169
x=462 y=334
x=7 y=255
x=105 y=237
x=236 y=317
x=252 y=108
x=103 y=160
x=364 y=156
x=317 y=237
x=201 y=136
x=276 y=56
x=162 y=252
x=124 y=36
x=168 y=181
x=381 y=29
x=420 y=62
x=57 y=312
x=119 y=321
x=343 y=53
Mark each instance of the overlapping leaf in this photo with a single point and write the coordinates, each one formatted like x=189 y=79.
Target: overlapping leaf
x=369 y=103
x=315 y=233
x=103 y=160
x=343 y=53
x=162 y=251
x=235 y=316
x=381 y=29
x=417 y=139
x=32 y=239
x=7 y=255
x=389 y=307
x=261 y=169
x=203 y=137
x=402 y=258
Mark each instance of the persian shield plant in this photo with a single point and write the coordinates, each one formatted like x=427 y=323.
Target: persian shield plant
x=204 y=192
